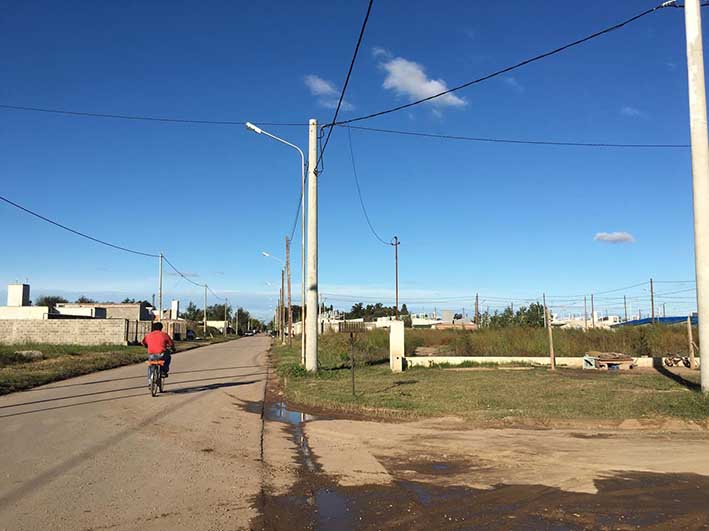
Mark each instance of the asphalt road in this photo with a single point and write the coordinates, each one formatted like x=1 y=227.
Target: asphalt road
x=99 y=452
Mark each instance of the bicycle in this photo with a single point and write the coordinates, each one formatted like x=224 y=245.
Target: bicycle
x=155 y=379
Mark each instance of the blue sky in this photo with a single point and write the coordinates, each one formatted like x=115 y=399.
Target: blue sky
x=508 y=221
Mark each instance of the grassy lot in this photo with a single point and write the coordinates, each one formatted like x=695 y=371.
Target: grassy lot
x=489 y=395
x=514 y=341
x=42 y=364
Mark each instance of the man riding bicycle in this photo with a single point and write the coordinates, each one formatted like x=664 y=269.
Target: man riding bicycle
x=159 y=346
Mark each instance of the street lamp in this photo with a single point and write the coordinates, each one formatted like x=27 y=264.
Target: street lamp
x=258 y=130
x=281 y=303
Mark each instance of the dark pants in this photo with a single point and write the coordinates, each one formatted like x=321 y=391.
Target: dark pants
x=165 y=356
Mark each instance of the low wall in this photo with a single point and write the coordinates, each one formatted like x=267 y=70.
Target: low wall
x=574 y=362
x=64 y=331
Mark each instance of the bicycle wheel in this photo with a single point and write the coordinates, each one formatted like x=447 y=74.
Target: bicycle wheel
x=160 y=379
x=154 y=375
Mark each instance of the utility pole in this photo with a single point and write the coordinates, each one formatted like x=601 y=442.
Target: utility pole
x=204 y=327
x=283 y=307
x=544 y=299
x=593 y=313
x=625 y=306
x=663 y=310
x=585 y=313
x=477 y=310
x=311 y=328
x=396 y=274
x=226 y=320
x=700 y=174
x=652 y=302
x=160 y=291
x=290 y=307
x=552 y=356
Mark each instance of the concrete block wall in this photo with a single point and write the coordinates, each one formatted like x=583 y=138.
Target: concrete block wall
x=64 y=332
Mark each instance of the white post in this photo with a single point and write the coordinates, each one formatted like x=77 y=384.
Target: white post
x=311 y=329
x=396 y=346
x=160 y=291
x=302 y=262
x=204 y=326
x=700 y=175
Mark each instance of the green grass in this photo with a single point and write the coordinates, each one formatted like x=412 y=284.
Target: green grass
x=491 y=395
x=59 y=362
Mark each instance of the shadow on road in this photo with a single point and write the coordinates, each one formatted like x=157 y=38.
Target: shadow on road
x=108 y=391
x=95 y=382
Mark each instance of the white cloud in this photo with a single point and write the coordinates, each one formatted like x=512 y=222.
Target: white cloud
x=407 y=78
x=614 y=237
x=378 y=51
x=631 y=112
x=326 y=92
x=512 y=82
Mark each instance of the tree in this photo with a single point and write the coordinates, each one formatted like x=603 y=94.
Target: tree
x=192 y=313
x=50 y=300
x=216 y=312
x=128 y=301
x=404 y=310
x=85 y=300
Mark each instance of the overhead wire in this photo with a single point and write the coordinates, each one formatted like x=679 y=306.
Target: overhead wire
x=510 y=68
x=74 y=231
x=103 y=242
x=515 y=141
x=359 y=192
x=140 y=117
x=347 y=81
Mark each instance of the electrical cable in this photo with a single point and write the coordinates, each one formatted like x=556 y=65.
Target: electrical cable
x=514 y=141
x=139 y=117
x=347 y=80
x=359 y=192
x=78 y=233
x=180 y=273
x=509 y=68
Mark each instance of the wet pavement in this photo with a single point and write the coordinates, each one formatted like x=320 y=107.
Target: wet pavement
x=625 y=500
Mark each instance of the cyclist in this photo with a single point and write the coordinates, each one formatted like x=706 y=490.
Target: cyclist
x=159 y=346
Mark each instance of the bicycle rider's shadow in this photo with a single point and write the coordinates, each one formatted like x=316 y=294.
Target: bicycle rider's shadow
x=210 y=387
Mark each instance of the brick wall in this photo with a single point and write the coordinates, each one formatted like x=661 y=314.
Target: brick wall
x=61 y=331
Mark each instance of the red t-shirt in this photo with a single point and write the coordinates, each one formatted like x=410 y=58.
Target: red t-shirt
x=157 y=342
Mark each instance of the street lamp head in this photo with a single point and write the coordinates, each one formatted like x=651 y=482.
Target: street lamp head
x=265 y=253
x=253 y=128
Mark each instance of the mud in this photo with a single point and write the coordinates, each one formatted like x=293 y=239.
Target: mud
x=427 y=493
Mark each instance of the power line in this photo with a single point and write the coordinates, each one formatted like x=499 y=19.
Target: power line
x=180 y=273
x=359 y=192
x=138 y=117
x=512 y=67
x=78 y=233
x=347 y=80
x=103 y=242
x=516 y=141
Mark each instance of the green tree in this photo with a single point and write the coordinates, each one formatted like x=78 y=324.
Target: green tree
x=85 y=300
x=50 y=300
x=192 y=313
x=216 y=312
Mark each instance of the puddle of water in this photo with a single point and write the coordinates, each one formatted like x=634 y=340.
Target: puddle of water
x=279 y=412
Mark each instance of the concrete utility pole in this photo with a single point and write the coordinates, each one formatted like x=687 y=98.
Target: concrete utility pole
x=652 y=302
x=593 y=313
x=585 y=313
x=552 y=356
x=700 y=175
x=311 y=325
x=477 y=310
x=692 y=361
x=625 y=306
x=283 y=307
x=544 y=300
x=290 y=307
x=226 y=320
x=160 y=291
x=205 y=310
x=396 y=274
